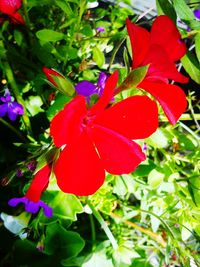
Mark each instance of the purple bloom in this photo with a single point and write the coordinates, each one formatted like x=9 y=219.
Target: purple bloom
x=197 y=13
x=87 y=89
x=31 y=206
x=12 y=108
x=100 y=29
x=19 y=173
x=31 y=165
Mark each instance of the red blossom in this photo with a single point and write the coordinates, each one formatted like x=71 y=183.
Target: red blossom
x=100 y=138
x=10 y=8
x=39 y=183
x=159 y=49
x=50 y=73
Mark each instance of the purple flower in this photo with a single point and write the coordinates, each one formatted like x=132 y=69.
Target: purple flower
x=100 y=29
x=31 y=206
x=197 y=13
x=19 y=173
x=31 y=165
x=12 y=108
x=87 y=89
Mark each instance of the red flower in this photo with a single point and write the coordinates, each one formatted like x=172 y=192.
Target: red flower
x=10 y=8
x=39 y=183
x=50 y=73
x=100 y=138
x=160 y=48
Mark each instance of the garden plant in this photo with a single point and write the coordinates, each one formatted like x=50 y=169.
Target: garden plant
x=99 y=130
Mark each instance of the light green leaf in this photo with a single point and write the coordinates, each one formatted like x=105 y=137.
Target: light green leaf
x=64 y=5
x=158 y=139
x=155 y=178
x=34 y=104
x=191 y=66
x=183 y=11
x=98 y=56
x=49 y=35
x=197 y=45
x=64 y=85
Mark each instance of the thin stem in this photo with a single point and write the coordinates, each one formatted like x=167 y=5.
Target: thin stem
x=184 y=117
x=115 y=52
x=13 y=129
x=104 y=226
x=26 y=13
x=11 y=80
x=189 y=131
x=148 y=232
x=93 y=232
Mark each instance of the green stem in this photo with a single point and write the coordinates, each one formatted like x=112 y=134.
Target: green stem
x=189 y=131
x=93 y=232
x=11 y=80
x=26 y=13
x=13 y=129
x=104 y=226
x=184 y=117
x=115 y=52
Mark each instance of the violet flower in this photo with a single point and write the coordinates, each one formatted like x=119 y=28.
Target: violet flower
x=31 y=165
x=100 y=29
x=87 y=88
x=31 y=206
x=10 y=107
x=197 y=13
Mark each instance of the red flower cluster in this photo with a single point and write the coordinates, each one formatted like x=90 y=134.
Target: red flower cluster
x=10 y=8
x=160 y=49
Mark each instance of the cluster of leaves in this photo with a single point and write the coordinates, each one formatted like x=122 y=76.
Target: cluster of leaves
x=147 y=218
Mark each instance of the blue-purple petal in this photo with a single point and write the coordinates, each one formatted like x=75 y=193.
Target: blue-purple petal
x=3 y=110
x=48 y=211
x=85 y=88
x=102 y=80
x=197 y=13
x=13 y=202
x=32 y=207
x=100 y=29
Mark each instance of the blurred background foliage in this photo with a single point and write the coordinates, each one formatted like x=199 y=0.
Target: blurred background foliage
x=147 y=218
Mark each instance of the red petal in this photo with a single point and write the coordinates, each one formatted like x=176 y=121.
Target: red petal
x=165 y=33
x=118 y=154
x=162 y=66
x=140 y=39
x=39 y=183
x=17 y=18
x=171 y=98
x=135 y=117
x=108 y=93
x=50 y=73
x=79 y=170
x=66 y=126
x=9 y=6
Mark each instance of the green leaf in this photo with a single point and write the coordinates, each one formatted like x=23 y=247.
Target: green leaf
x=133 y=79
x=49 y=35
x=65 y=206
x=98 y=56
x=155 y=178
x=197 y=45
x=190 y=64
x=158 y=139
x=64 y=85
x=57 y=105
x=164 y=7
x=45 y=158
x=183 y=11
x=64 y=244
x=33 y=104
x=18 y=37
x=65 y=7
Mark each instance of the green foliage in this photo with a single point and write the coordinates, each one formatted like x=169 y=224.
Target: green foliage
x=146 y=218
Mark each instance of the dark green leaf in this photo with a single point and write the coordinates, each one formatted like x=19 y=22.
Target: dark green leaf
x=164 y=7
x=65 y=244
